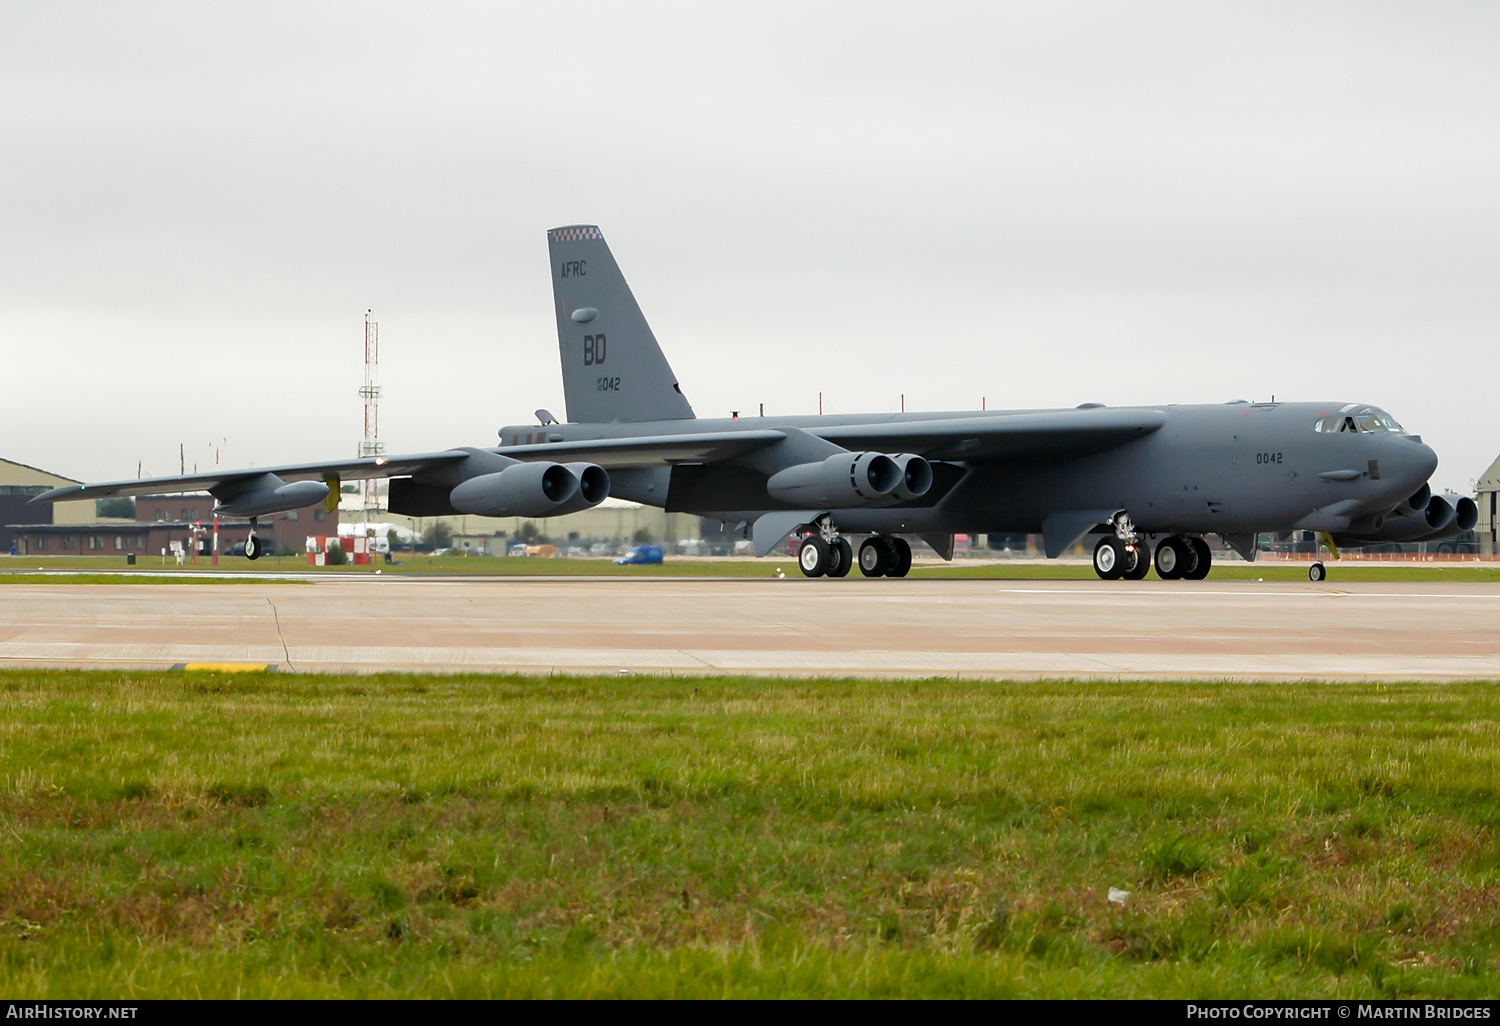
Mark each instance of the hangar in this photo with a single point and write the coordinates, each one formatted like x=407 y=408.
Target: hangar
x=18 y=483
x=1487 y=496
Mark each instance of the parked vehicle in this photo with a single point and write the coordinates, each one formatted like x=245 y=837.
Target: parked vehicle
x=641 y=555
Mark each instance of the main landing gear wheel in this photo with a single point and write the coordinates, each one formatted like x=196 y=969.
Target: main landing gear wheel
x=1317 y=571
x=1171 y=557
x=874 y=556
x=900 y=563
x=1109 y=558
x=813 y=557
x=1138 y=561
x=843 y=558
x=1201 y=565
x=252 y=547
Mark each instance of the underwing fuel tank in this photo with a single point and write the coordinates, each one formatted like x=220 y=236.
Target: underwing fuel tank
x=533 y=490
x=269 y=494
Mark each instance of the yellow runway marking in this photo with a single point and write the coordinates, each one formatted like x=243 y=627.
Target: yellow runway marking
x=227 y=667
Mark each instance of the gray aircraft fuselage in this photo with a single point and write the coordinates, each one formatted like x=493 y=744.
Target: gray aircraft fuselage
x=1234 y=468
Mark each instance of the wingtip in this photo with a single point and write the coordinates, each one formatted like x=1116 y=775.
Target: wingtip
x=55 y=494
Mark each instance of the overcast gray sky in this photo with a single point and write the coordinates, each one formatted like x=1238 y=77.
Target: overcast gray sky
x=1033 y=204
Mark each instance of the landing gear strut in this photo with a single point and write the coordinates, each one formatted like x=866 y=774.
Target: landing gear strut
x=1318 y=571
x=253 y=548
x=1123 y=554
x=1126 y=554
x=825 y=552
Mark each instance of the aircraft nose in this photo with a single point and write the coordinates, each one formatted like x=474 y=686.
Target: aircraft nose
x=1411 y=461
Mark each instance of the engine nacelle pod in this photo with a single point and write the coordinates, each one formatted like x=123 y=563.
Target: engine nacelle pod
x=1439 y=514
x=1444 y=516
x=267 y=494
x=1418 y=501
x=593 y=488
x=841 y=481
x=530 y=490
x=1465 y=511
x=916 y=477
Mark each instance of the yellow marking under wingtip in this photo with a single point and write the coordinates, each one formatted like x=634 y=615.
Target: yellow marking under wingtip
x=227 y=667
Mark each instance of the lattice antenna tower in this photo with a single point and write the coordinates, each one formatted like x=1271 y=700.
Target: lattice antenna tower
x=370 y=392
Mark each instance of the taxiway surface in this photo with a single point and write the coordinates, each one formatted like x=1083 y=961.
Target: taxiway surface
x=855 y=627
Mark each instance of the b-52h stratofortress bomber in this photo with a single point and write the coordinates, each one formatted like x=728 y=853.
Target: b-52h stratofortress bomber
x=1143 y=484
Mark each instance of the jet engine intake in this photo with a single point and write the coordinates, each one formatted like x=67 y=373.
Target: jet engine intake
x=1439 y=513
x=1418 y=501
x=532 y=490
x=1465 y=511
x=916 y=477
x=843 y=480
x=267 y=494
x=593 y=488
x=1443 y=516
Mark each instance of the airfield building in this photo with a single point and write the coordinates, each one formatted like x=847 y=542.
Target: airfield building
x=163 y=522
x=18 y=483
x=1487 y=496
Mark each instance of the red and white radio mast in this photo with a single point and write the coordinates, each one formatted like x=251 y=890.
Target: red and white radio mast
x=371 y=445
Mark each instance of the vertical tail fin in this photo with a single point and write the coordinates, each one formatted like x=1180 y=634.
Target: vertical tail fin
x=612 y=367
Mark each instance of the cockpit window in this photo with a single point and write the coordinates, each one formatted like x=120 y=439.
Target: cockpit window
x=1354 y=419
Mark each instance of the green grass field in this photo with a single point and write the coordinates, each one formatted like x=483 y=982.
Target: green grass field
x=260 y=835
x=22 y=569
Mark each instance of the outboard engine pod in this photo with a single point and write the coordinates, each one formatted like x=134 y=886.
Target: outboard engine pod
x=916 y=477
x=841 y=481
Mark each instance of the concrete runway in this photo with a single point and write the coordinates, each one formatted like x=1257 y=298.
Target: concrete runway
x=855 y=627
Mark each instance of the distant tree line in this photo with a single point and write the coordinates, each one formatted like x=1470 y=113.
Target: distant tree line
x=115 y=508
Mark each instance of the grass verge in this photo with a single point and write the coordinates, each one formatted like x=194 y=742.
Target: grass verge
x=200 y=834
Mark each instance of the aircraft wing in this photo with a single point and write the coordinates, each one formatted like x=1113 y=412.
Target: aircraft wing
x=1013 y=437
x=1059 y=434
x=344 y=470
x=650 y=450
